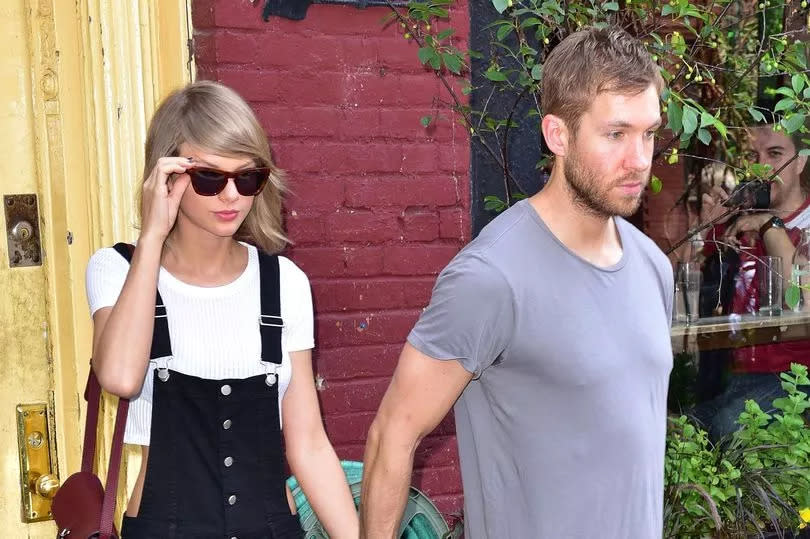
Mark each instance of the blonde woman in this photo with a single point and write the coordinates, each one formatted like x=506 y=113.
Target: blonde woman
x=219 y=360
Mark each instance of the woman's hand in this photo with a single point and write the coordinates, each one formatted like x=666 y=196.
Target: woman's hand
x=161 y=198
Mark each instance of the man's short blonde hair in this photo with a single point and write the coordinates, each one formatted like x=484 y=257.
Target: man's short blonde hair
x=592 y=61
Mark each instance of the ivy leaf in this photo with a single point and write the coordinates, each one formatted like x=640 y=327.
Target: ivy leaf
x=436 y=61
x=425 y=120
x=804 y=153
x=690 y=121
x=756 y=115
x=656 y=184
x=667 y=10
x=444 y=34
x=425 y=54
x=704 y=136
x=797 y=82
x=610 y=6
x=500 y=5
x=761 y=170
x=792 y=296
x=786 y=91
x=794 y=123
x=531 y=21
x=784 y=104
x=494 y=75
x=537 y=72
x=493 y=203
x=452 y=61
x=674 y=117
x=721 y=128
x=706 y=119
x=504 y=31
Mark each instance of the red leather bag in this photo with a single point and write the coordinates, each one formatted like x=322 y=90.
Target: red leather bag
x=81 y=508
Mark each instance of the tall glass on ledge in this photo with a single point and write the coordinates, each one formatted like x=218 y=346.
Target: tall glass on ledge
x=797 y=291
x=687 y=292
x=771 y=285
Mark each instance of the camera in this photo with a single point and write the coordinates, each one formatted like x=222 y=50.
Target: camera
x=750 y=195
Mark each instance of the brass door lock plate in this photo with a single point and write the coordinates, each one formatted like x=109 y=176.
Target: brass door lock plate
x=39 y=476
x=22 y=230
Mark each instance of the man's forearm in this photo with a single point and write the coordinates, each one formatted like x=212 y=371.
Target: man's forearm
x=777 y=243
x=386 y=478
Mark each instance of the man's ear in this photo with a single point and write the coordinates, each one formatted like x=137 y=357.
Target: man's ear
x=556 y=134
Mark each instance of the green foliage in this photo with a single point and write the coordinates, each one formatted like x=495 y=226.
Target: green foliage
x=711 y=57
x=756 y=481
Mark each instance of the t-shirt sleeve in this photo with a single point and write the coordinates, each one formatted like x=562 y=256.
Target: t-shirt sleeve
x=106 y=272
x=470 y=317
x=296 y=307
x=669 y=289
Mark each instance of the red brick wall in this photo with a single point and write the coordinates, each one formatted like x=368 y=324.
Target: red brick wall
x=664 y=223
x=379 y=204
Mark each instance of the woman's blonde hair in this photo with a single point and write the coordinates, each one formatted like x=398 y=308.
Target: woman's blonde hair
x=214 y=118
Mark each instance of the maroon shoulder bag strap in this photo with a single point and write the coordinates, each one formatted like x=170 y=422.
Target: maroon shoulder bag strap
x=93 y=396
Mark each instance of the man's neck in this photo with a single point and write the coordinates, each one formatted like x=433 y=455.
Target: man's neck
x=792 y=202
x=592 y=237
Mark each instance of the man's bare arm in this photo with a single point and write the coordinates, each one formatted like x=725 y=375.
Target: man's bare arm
x=421 y=393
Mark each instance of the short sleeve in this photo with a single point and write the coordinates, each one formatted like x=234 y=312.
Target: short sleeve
x=470 y=317
x=106 y=272
x=296 y=307
x=669 y=290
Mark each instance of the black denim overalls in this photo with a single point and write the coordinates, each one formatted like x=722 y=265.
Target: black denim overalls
x=216 y=461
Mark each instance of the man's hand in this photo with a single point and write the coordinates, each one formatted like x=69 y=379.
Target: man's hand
x=712 y=206
x=751 y=222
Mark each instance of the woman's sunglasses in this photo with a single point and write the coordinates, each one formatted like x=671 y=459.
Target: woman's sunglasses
x=208 y=182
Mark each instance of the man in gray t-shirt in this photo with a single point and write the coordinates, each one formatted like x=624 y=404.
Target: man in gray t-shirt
x=550 y=332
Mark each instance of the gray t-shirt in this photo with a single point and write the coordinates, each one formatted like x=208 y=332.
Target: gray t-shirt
x=562 y=431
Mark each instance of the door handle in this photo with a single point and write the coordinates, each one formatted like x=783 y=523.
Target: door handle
x=39 y=476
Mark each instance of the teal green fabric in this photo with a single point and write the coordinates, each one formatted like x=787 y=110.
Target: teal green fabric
x=426 y=521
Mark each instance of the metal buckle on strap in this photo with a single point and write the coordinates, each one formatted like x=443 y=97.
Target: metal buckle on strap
x=272 y=321
x=163 y=369
x=270 y=370
x=160 y=313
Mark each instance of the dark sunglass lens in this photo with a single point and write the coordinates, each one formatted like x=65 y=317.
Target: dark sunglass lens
x=207 y=182
x=250 y=182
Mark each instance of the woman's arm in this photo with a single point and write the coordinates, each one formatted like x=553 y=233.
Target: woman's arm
x=311 y=456
x=122 y=334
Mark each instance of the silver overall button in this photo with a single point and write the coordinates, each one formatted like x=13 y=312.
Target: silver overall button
x=232 y=499
x=226 y=424
x=226 y=389
x=228 y=462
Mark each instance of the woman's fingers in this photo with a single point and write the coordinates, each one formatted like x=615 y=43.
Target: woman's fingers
x=178 y=187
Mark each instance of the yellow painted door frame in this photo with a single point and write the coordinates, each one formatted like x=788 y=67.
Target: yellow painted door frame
x=98 y=68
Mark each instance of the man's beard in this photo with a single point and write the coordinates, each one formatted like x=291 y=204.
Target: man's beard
x=595 y=197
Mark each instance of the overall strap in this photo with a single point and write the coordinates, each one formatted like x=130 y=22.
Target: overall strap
x=161 y=345
x=270 y=322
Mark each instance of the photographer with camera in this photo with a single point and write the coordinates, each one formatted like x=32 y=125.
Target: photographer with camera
x=768 y=228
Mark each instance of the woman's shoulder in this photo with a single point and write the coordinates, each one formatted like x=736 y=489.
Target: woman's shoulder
x=107 y=258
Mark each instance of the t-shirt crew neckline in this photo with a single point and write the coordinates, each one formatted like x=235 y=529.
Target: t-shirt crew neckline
x=527 y=207
x=167 y=279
